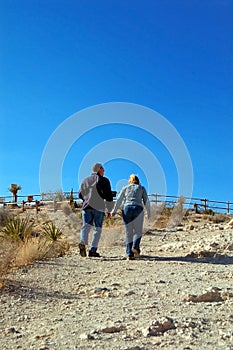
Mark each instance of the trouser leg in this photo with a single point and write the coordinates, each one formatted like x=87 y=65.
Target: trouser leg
x=87 y=218
x=98 y=223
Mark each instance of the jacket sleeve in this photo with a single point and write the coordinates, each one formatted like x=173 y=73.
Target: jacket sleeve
x=105 y=191
x=146 y=202
x=119 y=201
x=80 y=193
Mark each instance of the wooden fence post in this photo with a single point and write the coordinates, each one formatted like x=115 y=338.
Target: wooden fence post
x=195 y=207
x=205 y=205
x=228 y=207
x=37 y=206
x=54 y=205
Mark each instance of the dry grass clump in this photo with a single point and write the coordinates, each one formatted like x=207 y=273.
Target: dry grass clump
x=8 y=250
x=28 y=252
x=162 y=216
x=113 y=221
x=5 y=214
x=219 y=217
x=157 y=212
x=177 y=213
x=66 y=208
x=21 y=245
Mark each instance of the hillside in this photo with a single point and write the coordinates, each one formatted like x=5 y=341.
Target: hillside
x=179 y=295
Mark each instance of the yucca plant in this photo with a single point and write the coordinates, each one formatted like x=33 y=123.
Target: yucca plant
x=18 y=228
x=52 y=232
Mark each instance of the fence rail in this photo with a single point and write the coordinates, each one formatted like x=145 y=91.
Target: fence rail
x=36 y=200
x=197 y=204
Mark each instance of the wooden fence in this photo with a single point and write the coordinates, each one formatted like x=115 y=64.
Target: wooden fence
x=198 y=204
x=38 y=200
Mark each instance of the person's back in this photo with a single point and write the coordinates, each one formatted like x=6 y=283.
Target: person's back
x=132 y=198
x=96 y=193
x=95 y=189
x=134 y=194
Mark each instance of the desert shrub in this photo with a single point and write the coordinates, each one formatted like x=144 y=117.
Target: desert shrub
x=54 y=245
x=51 y=232
x=5 y=215
x=8 y=252
x=56 y=249
x=156 y=211
x=19 y=247
x=75 y=220
x=219 y=217
x=116 y=220
x=206 y=217
x=208 y=212
x=18 y=228
x=108 y=221
x=15 y=238
x=177 y=213
x=160 y=216
x=66 y=208
x=29 y=251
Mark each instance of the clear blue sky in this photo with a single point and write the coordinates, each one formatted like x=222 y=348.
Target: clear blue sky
x=58 y=57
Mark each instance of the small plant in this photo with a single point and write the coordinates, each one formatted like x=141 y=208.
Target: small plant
x=66 y=208
x=218 y=218
x=8 y=252
x=18 y=228
x=5 y=215
x=52 y=232
x=177 y=213
x=54 y=245
x=208 y=212
x=156 y=211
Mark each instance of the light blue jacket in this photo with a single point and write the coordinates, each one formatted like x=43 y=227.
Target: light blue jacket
x=132 y=194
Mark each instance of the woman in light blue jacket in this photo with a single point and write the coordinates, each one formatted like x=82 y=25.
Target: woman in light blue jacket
x=133 y=198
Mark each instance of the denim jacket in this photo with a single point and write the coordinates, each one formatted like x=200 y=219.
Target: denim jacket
x=133 y=194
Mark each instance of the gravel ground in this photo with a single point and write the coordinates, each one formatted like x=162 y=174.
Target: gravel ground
x=179 y=295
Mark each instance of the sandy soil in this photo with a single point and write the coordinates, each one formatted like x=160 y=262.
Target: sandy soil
x=179 y=295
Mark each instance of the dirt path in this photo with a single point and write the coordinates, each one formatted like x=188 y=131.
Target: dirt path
x=179 y=295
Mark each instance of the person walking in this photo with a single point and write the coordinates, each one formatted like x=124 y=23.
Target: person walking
x=96 y=194
x=133 y=198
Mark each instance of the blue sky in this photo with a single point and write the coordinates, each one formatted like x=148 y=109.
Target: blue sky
x=59 y=57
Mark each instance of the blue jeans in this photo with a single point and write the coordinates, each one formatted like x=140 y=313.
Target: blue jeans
x=92 y=218
x=133 y=216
